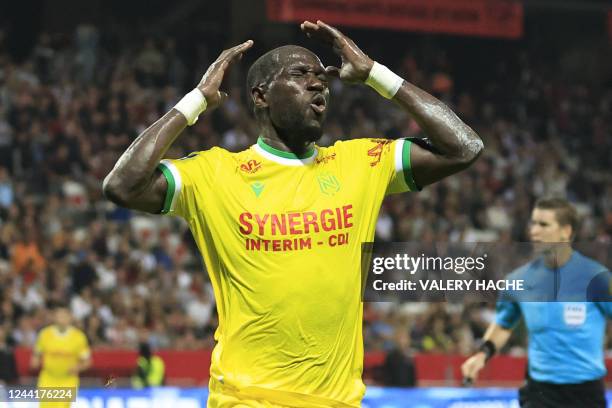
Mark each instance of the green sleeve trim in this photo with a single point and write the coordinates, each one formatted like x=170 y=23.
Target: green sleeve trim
x=406 y=167
x=170 y=191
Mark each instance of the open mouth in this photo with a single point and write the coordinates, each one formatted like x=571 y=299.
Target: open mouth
x=318 y=104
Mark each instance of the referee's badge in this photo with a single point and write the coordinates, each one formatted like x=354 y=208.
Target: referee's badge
x=574 y=314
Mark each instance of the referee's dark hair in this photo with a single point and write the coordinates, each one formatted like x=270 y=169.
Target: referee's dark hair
x=565 y=212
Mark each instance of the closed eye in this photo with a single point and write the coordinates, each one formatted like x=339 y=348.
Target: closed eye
x=302 y=71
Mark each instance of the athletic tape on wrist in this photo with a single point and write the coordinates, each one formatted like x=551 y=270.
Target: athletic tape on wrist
x=191 y=106
x=384 y=81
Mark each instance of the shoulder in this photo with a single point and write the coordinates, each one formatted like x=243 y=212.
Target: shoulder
x=198 y=156
x=78 y=337
x=588 y=264
x=195 y=164
x=361 y=143
x=77 y=333
x=241 y=156
x=523 y=271
x=45 y=332
x=599 y=288
x=221 y=156
x=46 y=336
x=366 y=149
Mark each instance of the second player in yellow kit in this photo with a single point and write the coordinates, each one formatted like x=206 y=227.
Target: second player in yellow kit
x=281 y=237
x=61 y=352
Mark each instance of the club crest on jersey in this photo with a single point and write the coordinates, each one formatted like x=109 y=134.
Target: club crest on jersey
x=251 y=166
x=328 y=183
x=377 y=151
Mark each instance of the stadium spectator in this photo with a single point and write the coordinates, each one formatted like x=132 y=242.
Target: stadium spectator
x=399 y=369
x=8 y=364
x=7 y=195
x=199 y=309
x=150 y=370
x=437 y=340
x=26 y=260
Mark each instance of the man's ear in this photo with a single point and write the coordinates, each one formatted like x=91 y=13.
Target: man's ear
x=567 y=232
x=259 y=97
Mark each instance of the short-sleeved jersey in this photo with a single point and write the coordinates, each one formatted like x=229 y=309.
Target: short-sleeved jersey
x=281 y=238
x=566 y=335
x=61 y=352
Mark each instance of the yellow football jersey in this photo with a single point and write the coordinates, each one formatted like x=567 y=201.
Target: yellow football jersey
x=281 y=238
x=60 y=353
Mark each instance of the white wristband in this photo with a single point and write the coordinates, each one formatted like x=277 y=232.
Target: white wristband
x=384 y=81
x=191 y=105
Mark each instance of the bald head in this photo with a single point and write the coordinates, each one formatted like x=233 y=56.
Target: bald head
x=266 y=67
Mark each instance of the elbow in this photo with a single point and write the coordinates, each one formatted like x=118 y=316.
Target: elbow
x=472 y=151
x=113 y=191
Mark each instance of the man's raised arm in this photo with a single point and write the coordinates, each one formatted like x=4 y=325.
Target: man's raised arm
x=135 y=182
x=454 y=145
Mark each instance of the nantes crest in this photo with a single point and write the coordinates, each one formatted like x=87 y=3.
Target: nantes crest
x=328 y=183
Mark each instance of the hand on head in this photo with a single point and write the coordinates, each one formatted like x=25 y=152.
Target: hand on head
x=212 y=79
x=356 y=65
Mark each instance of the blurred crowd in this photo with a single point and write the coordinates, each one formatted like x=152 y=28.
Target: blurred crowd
x=70 y=109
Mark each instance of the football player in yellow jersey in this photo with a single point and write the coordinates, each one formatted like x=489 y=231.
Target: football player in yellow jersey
x=280 y=225
x=61 y=352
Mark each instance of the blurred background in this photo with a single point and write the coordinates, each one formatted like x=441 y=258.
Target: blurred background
x=80 y=80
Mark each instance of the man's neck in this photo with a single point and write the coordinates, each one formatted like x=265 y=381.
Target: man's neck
x=271 y=138
x=558 y=256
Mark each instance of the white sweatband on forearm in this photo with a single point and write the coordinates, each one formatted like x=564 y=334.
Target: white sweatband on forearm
x=384 y=81
x=192 y=105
